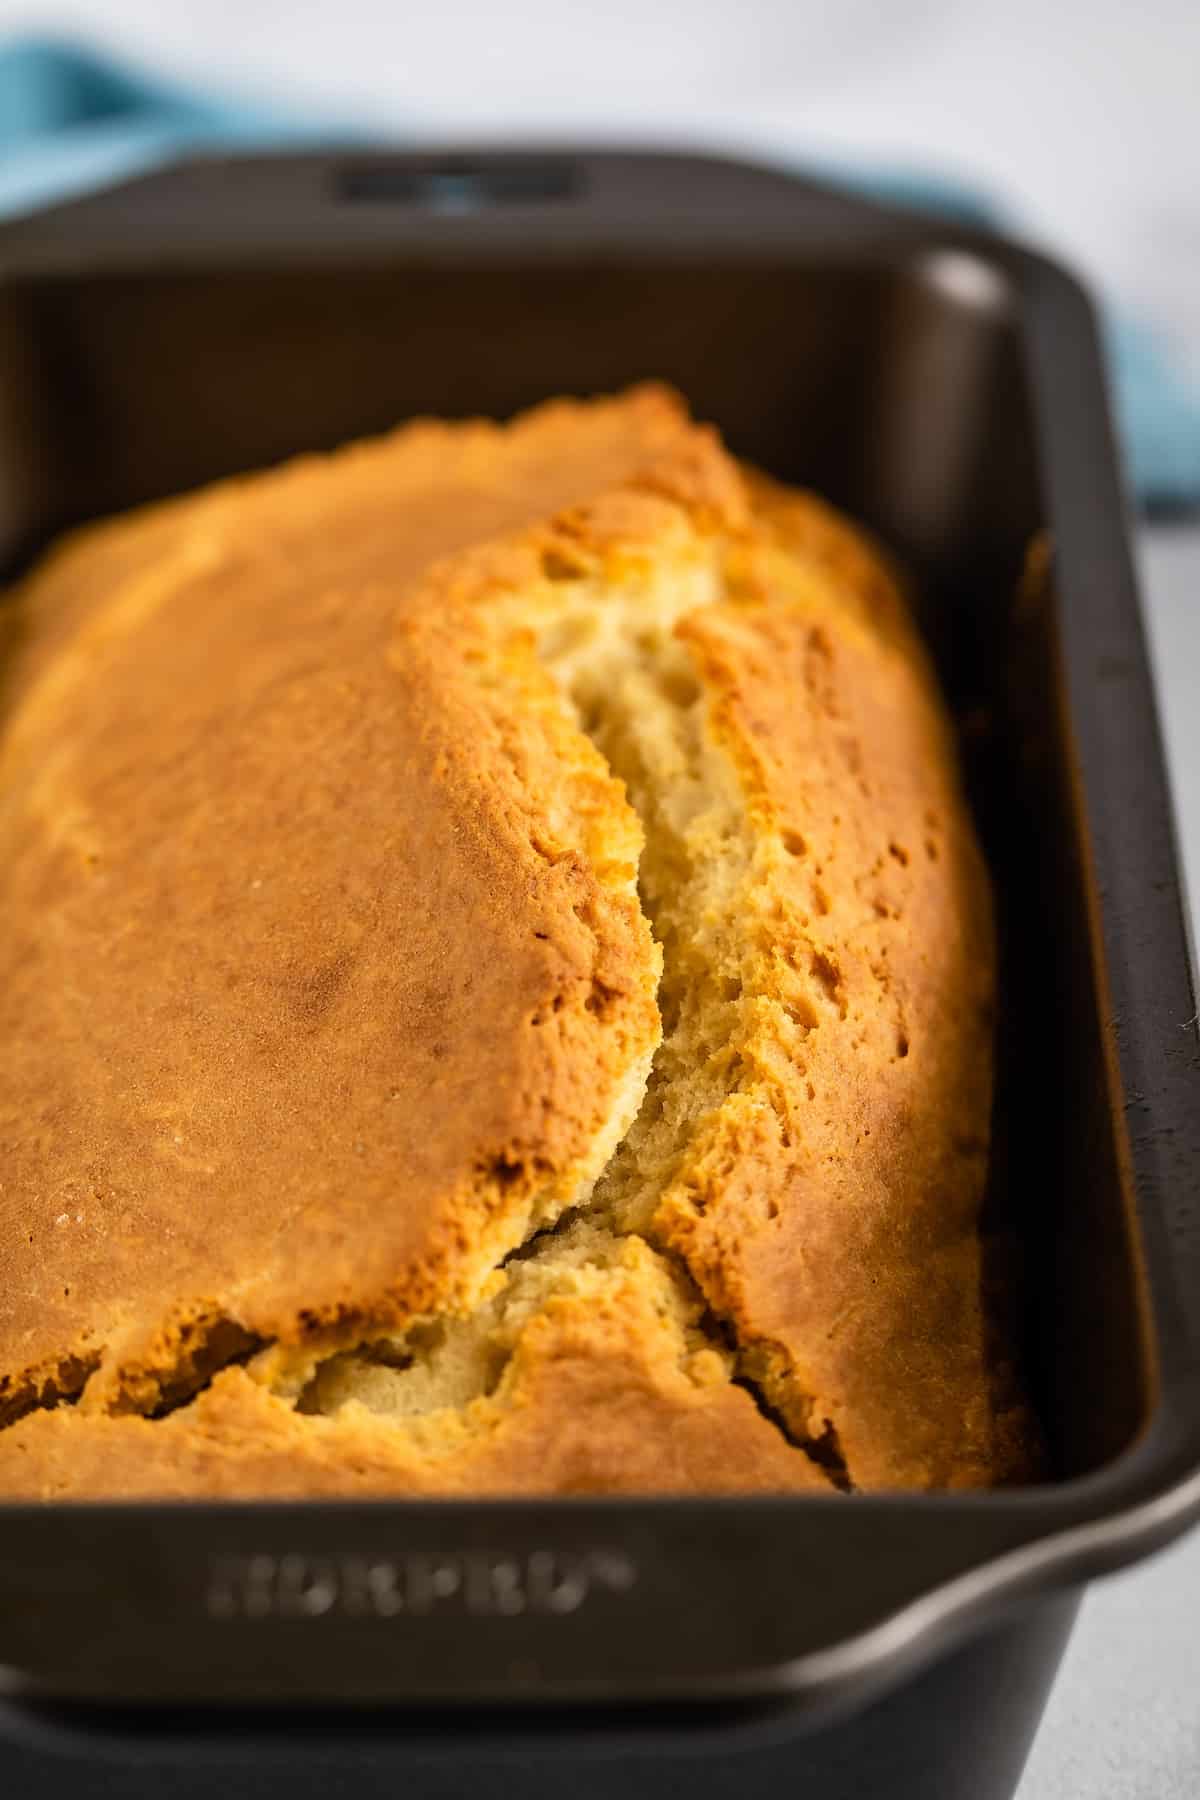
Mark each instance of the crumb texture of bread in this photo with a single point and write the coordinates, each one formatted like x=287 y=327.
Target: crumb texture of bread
x=497 y=995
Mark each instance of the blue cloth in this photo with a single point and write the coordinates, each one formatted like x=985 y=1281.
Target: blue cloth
x=71 y=121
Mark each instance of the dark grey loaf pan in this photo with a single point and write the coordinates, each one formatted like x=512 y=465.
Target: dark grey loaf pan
x=946 y=388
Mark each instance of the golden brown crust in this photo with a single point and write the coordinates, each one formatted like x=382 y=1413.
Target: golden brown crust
x=868 y=585
x=297 y=1008
x=325 y=982
x=384 y=508
x=834 y=1217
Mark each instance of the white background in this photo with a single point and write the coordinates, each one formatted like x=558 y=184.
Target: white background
x=1083 y=117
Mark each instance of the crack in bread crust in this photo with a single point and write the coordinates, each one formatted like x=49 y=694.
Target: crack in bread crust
x=733 y=1228
x=240 y=1119
x=559 y=645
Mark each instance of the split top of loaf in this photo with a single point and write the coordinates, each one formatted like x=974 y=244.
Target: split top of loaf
x=496 y=990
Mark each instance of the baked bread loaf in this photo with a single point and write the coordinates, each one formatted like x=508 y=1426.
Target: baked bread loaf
x=495 y=990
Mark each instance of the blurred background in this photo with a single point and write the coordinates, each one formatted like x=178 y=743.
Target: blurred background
x=1077 y=122
x=1081 y=116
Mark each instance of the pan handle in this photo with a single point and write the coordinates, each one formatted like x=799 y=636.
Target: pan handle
x=816 y=1602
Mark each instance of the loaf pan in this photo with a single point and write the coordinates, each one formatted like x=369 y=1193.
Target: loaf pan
x=946 y=388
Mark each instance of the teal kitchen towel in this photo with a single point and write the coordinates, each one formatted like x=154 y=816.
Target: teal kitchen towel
x=71 y=120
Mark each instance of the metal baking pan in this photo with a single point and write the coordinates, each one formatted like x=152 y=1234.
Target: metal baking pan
x=947 y=388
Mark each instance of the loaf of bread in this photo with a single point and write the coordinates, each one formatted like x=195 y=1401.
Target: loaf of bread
x=496 y=990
